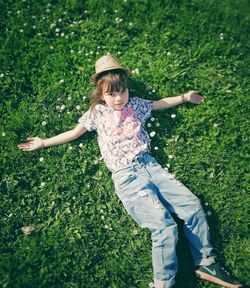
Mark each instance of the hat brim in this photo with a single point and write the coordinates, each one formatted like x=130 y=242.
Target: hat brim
x=94 y=76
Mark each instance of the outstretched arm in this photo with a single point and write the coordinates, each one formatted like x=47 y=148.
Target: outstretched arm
x=168 y=102
x=35 y=143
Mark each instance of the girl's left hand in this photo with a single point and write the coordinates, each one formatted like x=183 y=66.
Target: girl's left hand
x=193 y=97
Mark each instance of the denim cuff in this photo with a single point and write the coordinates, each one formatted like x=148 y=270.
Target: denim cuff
x=205 y=261
x=163 y=284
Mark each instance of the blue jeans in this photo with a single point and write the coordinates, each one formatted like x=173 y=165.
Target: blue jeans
x=150 y=194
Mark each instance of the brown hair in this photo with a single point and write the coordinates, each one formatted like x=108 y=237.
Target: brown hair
x=112 y=81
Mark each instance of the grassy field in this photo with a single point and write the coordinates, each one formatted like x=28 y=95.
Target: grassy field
x=80 y=235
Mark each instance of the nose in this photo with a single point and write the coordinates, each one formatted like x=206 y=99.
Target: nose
x=118 y=97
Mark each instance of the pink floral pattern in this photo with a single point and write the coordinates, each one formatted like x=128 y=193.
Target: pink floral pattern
x=121 y=133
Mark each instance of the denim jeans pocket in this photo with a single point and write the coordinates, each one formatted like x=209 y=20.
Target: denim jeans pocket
x=122 y=180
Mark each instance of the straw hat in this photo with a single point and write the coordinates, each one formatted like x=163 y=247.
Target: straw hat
x=106 y=63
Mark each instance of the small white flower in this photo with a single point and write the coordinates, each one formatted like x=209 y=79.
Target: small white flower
x=211 y=175
x=80 y=145
x=209 y=213
x=44 y=123
x=57 y=30
x=221 y=34
x=51 y=47
x=102 y=217
x=61 y=81
x=168 y=165
x=42 y=184
x=59 y=20
x=116 y=11
x=3 y=134
x=130 y=24
x=1 y=75
x=153 y=91
x=135 y=71
x=62 y=107
x=228 y=91
x=152 y=119
x=47 y=10
x=149 y=125
x=70 y=147
x=18 y=12
x=84 y=98
x=146 y=35
x=173 y=115
x=34 y=26
x=170 y=156
x=95 y=162
x=68 y=112
x=106 y=226
x=58 y=107
x=69 y=98
x=135 y=232
x=78 y=107
x=152 y=134
x=28 y=229
x=215 y=125
x=206 y=204
x=21 y=30
x=157 y=124
x=221 y=37
x=156 y=148
x=62 y=34
x=168 y=53
x=166 y=168
x=41 y=159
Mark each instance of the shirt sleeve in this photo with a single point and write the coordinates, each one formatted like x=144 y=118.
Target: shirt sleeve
x=88 y=119
x=143 y=107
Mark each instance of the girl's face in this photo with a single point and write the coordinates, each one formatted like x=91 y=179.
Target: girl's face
x=116 y=100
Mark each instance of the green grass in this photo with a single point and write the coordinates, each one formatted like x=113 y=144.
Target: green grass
x=83 y=237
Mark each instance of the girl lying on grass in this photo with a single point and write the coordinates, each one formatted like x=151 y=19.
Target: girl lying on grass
x=148 y=192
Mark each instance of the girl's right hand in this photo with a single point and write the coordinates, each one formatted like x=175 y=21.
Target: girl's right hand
x=33 y=143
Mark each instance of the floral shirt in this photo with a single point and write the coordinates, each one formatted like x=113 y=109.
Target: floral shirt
x=121 y=133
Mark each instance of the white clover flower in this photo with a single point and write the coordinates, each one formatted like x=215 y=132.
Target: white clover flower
x=57 y=30
x=69 y=98
x=95 y=162
x=86 y=11
x=60 y=20
x=3 y=134
x=149 y=125
x=152 y=119
x=206 y=204
x=173 y=115
x=61 y=81
x=153 y=90
x=58 y=107
x=91 y=52
x=78 y=107
x=21 y=30
x=80 y=145
x=152 y=134
x=166 y=168
x=41 y=159
x=102 y=217
x=156 y=148
x=146 y=35
x=42 y=184
x=221 y=34
x=125 y=1
x=48 y=10
x=62 y=34
x=228 y=91
x=34 y=26
x=18 y=12
x=135 y=71
x=211 y=175
x=135 y=231
x=130 y=24
x=221 y=37
x=84 y=98
x=106 y=226
x=209 y=213
x=25 y=24
x=1 y=75
x=101 y=211
x=168 y=165
x=70 y=147
x=51 y=47
x=62 y=107
x=68 y=112
x=170 y=156
x=28 y=229
x=157 y=124
x=215 y=125
x=168 y=53
x=44 y=123
x=119 y=52
x=116 y=11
